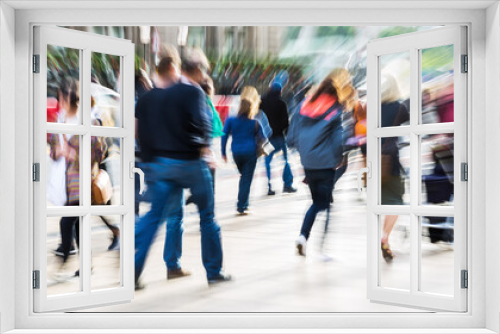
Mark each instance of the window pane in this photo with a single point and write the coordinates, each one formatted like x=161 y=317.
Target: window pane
x=395 y=232
x=395 y=89
x=437 y=255
x=105 y=90
x=106 y=167
x=63 y=88
x=437 y=169
x=63 y=169
x=437 y=85
x=105 y=239
x=394 y=168
x=63 y=257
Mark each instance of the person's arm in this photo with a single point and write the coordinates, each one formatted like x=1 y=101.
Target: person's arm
x=200 y=124
x=264 y=122
x=260 y=132
x=402 y=116
x=223 y=142
x=292 y=140
x=284 y=117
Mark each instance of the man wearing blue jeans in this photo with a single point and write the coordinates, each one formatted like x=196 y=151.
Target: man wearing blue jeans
x=175 y=132
x=168 y=179
x=277 y=113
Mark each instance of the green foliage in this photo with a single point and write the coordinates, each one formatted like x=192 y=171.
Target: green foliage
x=437 y=59
x=65 y=62
x=394 y=31
x=292 y=32
x=324 y=31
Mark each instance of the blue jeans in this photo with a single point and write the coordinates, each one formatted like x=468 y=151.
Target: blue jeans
x=279 y=144
x=138 y=197
x=246 y=166
x=168 y=178
x=320 y=182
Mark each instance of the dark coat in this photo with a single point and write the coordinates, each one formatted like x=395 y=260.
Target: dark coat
x=276 y=111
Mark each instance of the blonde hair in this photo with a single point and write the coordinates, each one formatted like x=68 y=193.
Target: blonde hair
x=249 y=102
x=390 y=89
x=338 y=83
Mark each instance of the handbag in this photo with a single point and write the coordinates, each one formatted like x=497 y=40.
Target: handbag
x=263 y=146
x=102 y=189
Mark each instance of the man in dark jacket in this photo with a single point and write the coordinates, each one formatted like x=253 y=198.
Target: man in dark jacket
x=277 y=113
x=177 y=134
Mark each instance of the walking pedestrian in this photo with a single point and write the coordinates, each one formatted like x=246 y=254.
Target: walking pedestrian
x=316 y=132
x=175 y=134
x=64 y=149
x=168 y=74
x=208 y=88
x=394 y=113
x=247 y=134
x=277 y=113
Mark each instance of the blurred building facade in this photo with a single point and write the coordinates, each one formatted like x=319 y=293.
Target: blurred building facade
x=254 y=41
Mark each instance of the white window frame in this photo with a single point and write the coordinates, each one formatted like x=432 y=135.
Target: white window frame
x=86 y=44
x=476 y=317
x=412 y=45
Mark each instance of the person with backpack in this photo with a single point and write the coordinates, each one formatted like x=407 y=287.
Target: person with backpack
x=317 y=133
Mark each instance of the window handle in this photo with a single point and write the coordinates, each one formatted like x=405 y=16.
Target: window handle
x=361 y=171
x=139 y=171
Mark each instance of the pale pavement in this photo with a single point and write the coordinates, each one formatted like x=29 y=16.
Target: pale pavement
x=259 y=252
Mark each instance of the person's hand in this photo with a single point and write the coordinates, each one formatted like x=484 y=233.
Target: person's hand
x=224 y=157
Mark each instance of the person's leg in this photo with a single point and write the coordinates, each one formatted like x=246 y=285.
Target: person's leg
x=246 y=165
x=66 y=225
x=389 y=222
x=172 y=251
x=267 y=161
x=321 y=185
x=287 y=171
x=212 y=172
x=200 y=185
x=146 y=227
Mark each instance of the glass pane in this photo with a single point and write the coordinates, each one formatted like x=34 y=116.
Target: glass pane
x=105 y=90
x=63 y=258
x=395 y=252
x=105 y=239
x=437 y=255
x=63 y=169
x=106 y=167
x=63 y=88
x=395 y=89
x=437 y=169
x=395 y=171
x=437 y=85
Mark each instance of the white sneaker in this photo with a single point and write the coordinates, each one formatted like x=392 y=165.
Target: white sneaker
x=301 y=245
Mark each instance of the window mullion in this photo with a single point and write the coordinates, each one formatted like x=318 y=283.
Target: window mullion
x=415 y=188
x=86 y=173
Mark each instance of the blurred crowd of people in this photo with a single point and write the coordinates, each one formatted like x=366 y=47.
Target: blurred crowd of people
x=279 y=109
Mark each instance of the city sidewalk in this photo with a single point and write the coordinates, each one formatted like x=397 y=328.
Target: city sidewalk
x=259 y=252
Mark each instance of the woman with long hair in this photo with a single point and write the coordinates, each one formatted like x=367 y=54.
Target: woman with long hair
x=316 y=132
x=394 y=113
x=247 y=134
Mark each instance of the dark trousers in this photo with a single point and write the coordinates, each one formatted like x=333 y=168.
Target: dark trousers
x=67 y=225
x=279 y=144
x=246 y=166
x=320 y=182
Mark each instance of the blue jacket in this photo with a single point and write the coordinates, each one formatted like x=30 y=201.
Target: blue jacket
x=245 y=134
x=316 y=131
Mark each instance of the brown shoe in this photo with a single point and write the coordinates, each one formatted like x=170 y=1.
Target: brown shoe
x=177 y=273
x=386 y=252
